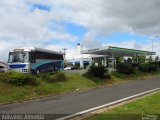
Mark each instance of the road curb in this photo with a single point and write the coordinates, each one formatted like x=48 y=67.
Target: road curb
x=82 y=113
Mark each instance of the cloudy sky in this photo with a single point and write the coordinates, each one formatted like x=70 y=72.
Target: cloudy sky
x=57 y=24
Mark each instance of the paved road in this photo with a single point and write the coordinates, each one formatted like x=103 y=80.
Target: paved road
x=76 y=102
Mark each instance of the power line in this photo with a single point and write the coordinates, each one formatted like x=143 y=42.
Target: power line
x=13 y=6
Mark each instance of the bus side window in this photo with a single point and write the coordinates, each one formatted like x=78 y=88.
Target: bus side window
x=32 y=58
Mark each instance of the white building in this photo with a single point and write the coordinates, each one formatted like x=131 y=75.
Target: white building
x=107 y=55
x=79 y=59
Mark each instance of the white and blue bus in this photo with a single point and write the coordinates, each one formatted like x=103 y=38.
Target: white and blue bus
x=35 y=60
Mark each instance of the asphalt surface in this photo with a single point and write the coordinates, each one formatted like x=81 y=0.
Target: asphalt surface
x=62 y=105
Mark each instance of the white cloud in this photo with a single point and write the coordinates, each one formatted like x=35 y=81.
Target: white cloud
x=21 y=27
x=71 y=52
x=132 y=44
x=90 y=40
x=108 y=16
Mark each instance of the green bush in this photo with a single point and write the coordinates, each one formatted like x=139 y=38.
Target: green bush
x=119 y=59
x=158 y=63
x=118 y=75
x=107 y=75
x=135 y=65
x=44 y=76
x=144 y=67
x=98 y=71
x=154 y=66
x=149 y=67
x=125 y=68
x=77 y=66
x=60 y=76
x=32 y=80
x=4 y=76
x=18 y=79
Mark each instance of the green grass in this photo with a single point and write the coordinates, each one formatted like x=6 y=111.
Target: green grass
x=74 y=83
x=132 y=111
x=136 y=75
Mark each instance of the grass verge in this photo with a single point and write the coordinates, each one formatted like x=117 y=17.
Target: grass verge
x=74 y=83
x=146 y=108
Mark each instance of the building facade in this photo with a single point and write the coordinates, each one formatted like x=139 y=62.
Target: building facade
x=107 y=55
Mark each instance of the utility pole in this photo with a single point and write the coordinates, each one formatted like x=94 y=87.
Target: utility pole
x=64 y=51
x=153 y=41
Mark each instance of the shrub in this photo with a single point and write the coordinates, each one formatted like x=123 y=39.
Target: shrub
x=3 y=77
x=118 y=75
x=149 y=67
x=125 y=68
x=51 y=79
x=144 y=67
x=107 y=75
x=119 y=59
x=135 y=65
x=153 y=66
x=18 y=79
x=32 y=80
x=141 y=59
x=97 y=71
x=44 y=76
x=77 y=66
x=60 y=76
x=158 y=63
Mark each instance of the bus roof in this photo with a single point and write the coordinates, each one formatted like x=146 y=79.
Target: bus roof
x=35 y=49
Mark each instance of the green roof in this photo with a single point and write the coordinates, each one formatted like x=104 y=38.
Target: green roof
x=117 y=51
x=131 y=51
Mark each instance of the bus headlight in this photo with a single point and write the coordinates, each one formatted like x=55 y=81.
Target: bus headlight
x=24 y=70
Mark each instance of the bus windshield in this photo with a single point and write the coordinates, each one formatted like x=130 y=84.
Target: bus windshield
x=18 y=57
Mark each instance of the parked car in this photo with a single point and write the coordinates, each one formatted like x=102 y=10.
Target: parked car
x=67 y=68
x=74 y=68
x=3 y=67
x=3 y=70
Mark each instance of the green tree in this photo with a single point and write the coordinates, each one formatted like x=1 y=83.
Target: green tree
x=66 y=63
x=157 y=58
x=150 y=59
x=119 y=59
x=141 y=59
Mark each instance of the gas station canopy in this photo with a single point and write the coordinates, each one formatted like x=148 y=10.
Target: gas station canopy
x=117 y=52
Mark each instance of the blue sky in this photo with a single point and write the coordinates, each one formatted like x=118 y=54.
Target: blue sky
x=121 y=37
x=40 y=7
x=76 y=30
x=64 y=23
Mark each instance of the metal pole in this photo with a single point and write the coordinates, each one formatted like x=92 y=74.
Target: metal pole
x=152 y=44
x=153 y=41
x=64 y=51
